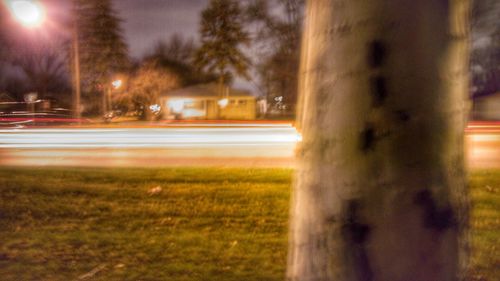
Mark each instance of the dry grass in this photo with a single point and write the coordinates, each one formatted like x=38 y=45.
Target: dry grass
x=171 y=224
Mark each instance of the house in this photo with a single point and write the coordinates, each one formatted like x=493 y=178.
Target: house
x=205 y=102
x=487 y=107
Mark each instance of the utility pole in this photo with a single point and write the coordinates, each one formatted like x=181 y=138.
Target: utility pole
x=76 y=70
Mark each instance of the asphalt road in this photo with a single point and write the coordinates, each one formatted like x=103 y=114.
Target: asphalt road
x=257 y=145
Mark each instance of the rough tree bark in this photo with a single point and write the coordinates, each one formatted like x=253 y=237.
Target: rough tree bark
x=380 y=191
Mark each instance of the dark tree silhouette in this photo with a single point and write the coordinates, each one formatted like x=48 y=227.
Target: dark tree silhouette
x=176 y=55
x=176 y=48
x=222 y=34
x=279 y=37
x=485 y=57
x=103 y=51
x=45 y=68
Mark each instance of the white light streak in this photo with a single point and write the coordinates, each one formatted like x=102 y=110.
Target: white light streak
x=150 y=138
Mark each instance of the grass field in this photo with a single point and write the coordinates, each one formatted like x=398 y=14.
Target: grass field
x=171 y=224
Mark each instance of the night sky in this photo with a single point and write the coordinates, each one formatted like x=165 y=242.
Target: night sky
x=147 y=21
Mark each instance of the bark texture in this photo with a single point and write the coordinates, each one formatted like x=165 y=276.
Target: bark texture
x=380 y=191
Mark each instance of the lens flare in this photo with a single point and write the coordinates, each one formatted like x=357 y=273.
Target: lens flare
x=29 y=13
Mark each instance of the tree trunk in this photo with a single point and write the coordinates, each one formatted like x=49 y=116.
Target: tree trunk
x=380 y=191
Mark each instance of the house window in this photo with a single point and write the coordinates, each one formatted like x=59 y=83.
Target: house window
x=193 y=104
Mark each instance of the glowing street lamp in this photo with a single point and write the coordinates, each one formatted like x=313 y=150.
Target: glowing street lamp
x=107 y=101
x=29 y=13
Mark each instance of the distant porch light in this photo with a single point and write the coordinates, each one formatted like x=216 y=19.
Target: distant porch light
x=155 y=108
x=223 y=102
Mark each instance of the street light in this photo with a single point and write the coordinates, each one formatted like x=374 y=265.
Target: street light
x=30 y=13
x=115 y=85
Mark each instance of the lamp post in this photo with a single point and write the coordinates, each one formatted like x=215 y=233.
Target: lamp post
x=107 y=105
x=115 y=85
x=76 y=71
x=31 y=14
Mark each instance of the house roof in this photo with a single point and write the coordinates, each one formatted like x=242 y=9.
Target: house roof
x=205 y=90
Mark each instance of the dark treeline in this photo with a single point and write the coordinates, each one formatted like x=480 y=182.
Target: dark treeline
x=485 y=56
x=257 y=40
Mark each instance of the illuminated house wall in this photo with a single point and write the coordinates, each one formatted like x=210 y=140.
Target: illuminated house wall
x=205 y=102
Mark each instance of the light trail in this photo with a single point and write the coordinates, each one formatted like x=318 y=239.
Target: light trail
x=483 y=127
x=264 y=145
x=148 y=137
